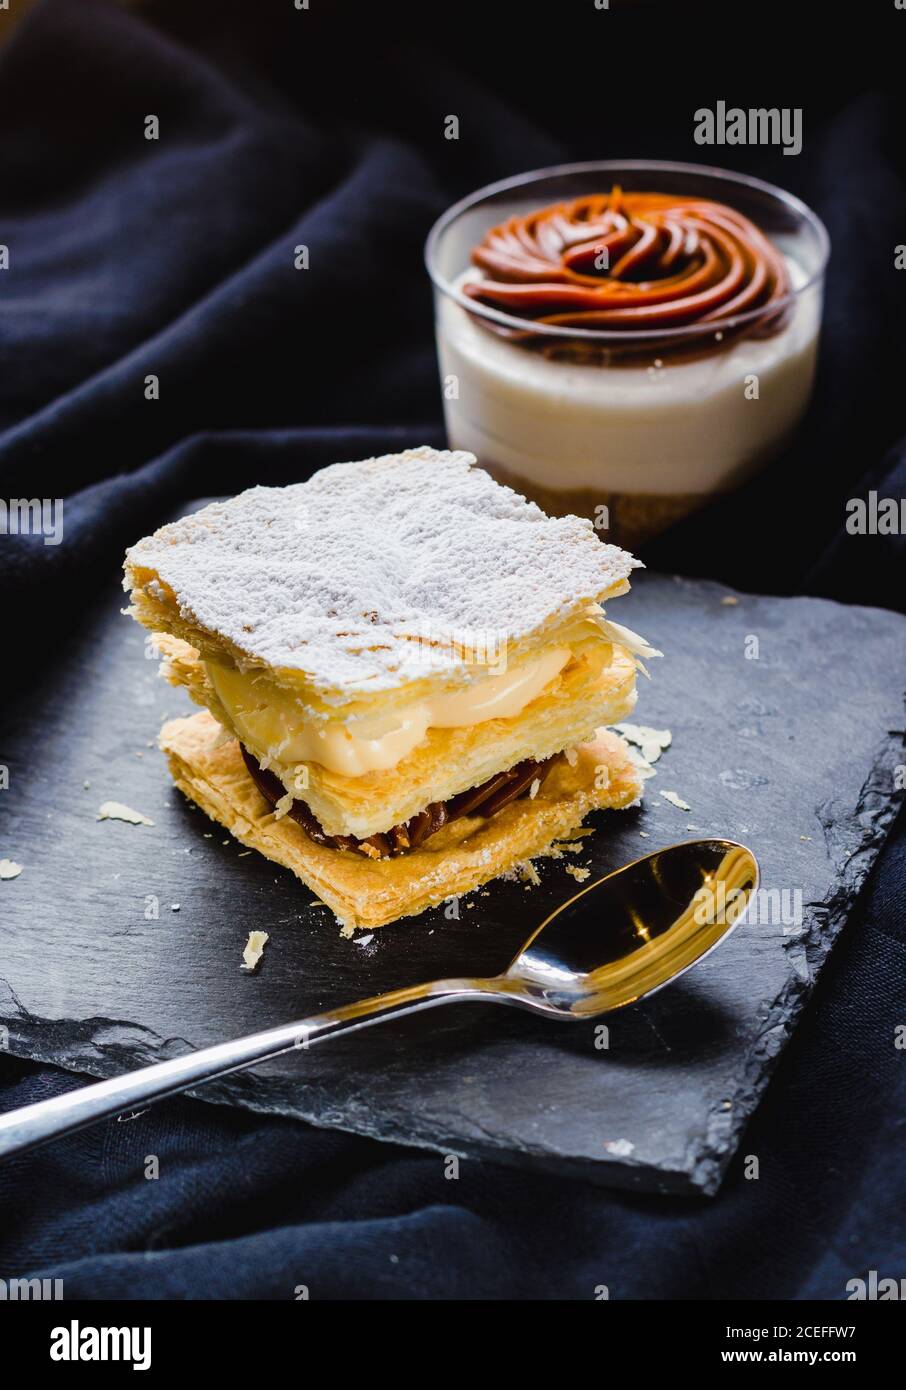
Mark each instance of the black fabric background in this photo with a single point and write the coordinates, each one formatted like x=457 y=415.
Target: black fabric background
x=129 y=257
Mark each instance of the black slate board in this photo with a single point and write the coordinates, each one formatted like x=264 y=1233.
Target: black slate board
x=793 y=752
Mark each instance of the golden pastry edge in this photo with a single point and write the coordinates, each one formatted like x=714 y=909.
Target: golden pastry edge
x=208 y=770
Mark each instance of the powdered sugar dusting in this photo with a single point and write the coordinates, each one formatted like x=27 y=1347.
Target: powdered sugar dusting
x=339 y=576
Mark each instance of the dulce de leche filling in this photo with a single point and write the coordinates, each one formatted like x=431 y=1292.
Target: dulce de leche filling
x=485 y=801
x=623 y=261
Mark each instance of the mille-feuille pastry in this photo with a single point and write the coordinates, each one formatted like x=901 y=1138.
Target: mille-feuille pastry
x=405 y=671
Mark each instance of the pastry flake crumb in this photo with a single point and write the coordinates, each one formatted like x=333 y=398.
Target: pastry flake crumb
x=620 y=1148
x=283 y=806
x=652 y=742
x=639 y=761
x=571 y=756
x=254 y=949
x=676 y=800
x=364 y=940
x=534 y=789
x=116 y=810
x=729 y=601
x=578 y=873
x=528 y=873
x=9 y=868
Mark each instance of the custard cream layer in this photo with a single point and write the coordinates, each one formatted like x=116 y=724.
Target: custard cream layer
x=269 y=717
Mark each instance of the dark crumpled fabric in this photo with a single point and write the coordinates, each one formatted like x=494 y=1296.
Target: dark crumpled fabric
x=175 y=258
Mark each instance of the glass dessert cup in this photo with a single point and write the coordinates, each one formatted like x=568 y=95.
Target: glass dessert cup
x=632 y=427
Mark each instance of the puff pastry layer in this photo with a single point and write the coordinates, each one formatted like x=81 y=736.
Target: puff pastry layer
x=372 y=584
x=463 y=855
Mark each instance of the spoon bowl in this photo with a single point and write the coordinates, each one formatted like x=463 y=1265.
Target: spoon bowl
x=633 y=931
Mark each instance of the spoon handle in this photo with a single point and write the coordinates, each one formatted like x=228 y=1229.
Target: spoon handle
x=49 y=1119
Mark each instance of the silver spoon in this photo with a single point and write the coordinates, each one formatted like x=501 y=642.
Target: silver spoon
x=622 y=937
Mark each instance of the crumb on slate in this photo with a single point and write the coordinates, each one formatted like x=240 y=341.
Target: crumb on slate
x=578 y=873
x=254 y=949
x=116 y=810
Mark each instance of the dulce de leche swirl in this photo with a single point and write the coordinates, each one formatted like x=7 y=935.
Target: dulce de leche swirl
x=622 y=261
